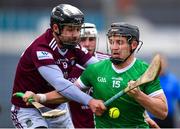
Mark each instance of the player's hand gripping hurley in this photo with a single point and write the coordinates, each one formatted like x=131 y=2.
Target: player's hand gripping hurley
x=150 y=74
x=45 y=111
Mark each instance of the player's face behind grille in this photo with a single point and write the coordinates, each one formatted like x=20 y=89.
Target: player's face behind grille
x=89 y=43
x=119 y=46
x=70 y=35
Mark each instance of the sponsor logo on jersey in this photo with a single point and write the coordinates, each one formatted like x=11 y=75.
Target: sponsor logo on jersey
x=41 y=55
x=101 y=79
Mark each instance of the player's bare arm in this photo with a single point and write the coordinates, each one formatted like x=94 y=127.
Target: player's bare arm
x=151 y=103
x=52 y=97
x=55 y=98
x=97 y=106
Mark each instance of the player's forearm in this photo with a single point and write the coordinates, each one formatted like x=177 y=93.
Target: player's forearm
x=55 y=98
x=155 y=105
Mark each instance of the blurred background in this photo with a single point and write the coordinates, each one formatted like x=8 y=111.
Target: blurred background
x=22 y=21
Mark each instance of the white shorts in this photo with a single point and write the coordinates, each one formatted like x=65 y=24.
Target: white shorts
x=31 y=118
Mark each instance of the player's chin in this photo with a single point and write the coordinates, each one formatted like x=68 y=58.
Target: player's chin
x=91 y=51
x=116 y=56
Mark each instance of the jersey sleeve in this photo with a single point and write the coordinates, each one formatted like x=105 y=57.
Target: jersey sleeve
x=84 y=80
x=42 y=57
x=153 y=88
x=82 y=56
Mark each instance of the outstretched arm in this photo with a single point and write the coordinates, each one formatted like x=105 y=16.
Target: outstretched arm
x=65 y=89
x=54 y=97
x=96 y=106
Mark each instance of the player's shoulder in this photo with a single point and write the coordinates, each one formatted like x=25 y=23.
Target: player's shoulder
x=92 y=68
x=81 y=49
x=43 y=46
x=141 y=64
x=101 y=56
x=46 y=41
x=101 y=53
x=99 y=65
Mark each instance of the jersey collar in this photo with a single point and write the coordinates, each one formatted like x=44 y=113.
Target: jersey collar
x=124 y=69
x=62 y=51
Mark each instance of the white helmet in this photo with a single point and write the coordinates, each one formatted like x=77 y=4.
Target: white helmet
x=88 y=30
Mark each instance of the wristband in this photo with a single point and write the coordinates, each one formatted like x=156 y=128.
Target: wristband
x=42 y=98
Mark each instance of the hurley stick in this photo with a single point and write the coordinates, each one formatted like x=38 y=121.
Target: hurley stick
x=45 y=111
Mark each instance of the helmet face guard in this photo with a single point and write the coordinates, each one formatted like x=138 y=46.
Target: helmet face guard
x=69 y=45
x=70 y=41
x=89 y=32
x=118 y=38
x=123 y=30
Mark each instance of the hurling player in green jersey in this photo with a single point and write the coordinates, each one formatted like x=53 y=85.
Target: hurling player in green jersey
x=110 y=76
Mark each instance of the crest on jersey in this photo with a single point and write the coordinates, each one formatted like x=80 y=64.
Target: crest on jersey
x=41 y=55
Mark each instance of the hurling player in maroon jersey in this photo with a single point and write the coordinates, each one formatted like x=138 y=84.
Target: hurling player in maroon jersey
x=81 y=115
x=44 y=67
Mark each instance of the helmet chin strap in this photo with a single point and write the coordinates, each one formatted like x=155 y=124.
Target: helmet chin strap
x=118 y=61
x=66 y=45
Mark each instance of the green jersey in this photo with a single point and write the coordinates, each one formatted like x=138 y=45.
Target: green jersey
x=107 y=81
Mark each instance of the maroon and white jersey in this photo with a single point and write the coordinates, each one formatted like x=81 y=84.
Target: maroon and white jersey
x=81 y=115
x=42 y=52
